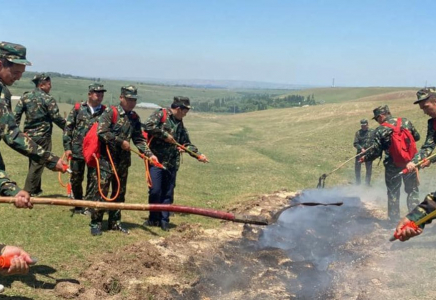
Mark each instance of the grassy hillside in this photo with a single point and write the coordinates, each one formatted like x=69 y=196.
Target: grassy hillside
x=337 y=95
x=251 y=154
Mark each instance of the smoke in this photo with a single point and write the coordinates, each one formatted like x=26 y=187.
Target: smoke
x=315 y=236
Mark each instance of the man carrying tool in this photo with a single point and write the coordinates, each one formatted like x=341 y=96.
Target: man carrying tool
x=164 y=134
x=382 y=142
x=115 y=135
x=41 y=112
x=79 y=121
x=426 y=99
x=362 y=140
x=12 y=65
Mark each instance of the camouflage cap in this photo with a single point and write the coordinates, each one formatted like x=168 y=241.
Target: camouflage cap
x=96 y=87
x=182 y=101
x=364 y=122
x=381 y=110
x=424 y=94
x=40 y=77
x=129 y=92
x=14 y=53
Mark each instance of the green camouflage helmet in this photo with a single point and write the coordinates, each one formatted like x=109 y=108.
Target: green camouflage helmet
x=381 y=110
x=364 y=122
x=424 y=94
x=129 y=92
x=14 y=53
x=96 y=87
x=38 y=78
x=182 y=102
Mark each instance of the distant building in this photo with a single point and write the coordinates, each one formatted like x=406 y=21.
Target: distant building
x=147 y=105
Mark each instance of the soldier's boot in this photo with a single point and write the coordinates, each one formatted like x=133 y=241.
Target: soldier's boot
x=96 y=229
x=117 y=226
x=164 y=225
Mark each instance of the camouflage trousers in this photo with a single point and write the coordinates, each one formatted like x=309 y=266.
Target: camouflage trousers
x=78 y=168
x=357 y=169
x=393 y=188
x=33 y=179
x=108 y=180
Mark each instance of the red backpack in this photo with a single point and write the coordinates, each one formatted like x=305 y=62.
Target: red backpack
x=403 y=146
x=91 y=144
x=162 y=120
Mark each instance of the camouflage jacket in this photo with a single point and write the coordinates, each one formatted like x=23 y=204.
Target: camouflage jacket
x=429 y=144
x=167 y=153
x=79 y=121
x=382 y=139
x=7 y=187
x=126 y=127
x=363 y=139
x=6 y=95
x=424 y=208
x=41 y=111
x=17 y=140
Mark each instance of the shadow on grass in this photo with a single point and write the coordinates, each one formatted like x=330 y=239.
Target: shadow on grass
x=57 y=196
x=15 y=297
x=31 y=280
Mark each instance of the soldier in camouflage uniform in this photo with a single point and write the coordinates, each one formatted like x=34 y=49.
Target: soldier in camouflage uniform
x=426 y=98
x=12 y=65
x=362 y=140
x=117 y=135
x=41 y=112
x=10 y=188
x=162 y=136
x=382 y=142
x=79 y=121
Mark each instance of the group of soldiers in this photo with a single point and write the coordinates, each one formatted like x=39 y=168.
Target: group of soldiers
x=165 y=139
x=371 y=144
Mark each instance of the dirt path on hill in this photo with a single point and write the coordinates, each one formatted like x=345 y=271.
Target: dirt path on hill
x=227 y=263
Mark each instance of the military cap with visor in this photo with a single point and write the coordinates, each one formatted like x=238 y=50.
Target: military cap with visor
x=15 y=53
x=96 y=87
x=38 y=78
x=129 y=92
x=381 y=110
x=424 y=94
x=364 y=122
x=182 y=102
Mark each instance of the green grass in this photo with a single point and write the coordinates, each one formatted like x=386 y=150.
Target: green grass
x=337 y=95
x=251 y=154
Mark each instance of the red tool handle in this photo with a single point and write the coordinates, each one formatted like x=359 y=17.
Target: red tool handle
x=409 y=224
x=5 y=261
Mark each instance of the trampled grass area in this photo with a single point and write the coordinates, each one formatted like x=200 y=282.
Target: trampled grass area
x=251 y=154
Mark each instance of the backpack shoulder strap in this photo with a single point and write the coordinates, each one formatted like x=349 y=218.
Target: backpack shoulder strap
x=164 y=116
x=398 y=124
x=115 y=114
x=387 y=125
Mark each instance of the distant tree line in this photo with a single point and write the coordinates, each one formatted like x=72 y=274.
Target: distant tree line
x=253 y=102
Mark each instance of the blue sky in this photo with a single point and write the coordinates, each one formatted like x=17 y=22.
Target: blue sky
x=359 y=43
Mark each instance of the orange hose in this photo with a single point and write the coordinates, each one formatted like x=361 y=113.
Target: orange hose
x=68 y=184
x=115 y=172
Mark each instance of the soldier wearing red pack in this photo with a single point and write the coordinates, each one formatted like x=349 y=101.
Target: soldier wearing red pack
x=116 y=127
x=384 y=136
x=80 y=119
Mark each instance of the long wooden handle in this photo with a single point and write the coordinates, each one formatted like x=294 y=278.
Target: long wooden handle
x=146 y=207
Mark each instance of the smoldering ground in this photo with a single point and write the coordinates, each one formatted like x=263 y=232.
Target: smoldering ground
x=321 y=252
